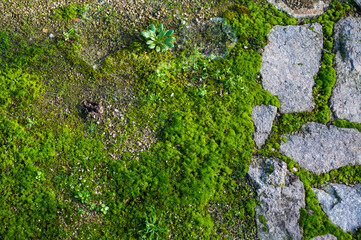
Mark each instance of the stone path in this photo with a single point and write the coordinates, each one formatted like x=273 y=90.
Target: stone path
x=325 y=237
x=262 y=117
x=342 y=204
x=319 y=148
x=289 y=62
x=301 y=8
x=346 y=94
x=281 y=194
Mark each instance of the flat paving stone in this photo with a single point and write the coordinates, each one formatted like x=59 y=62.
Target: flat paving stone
x=289 y=62
x=342 y=205
x=319 y=148
x=301 y=8
x=262 y=117
x=346 y=94
x=325 y=237
x=281 y=195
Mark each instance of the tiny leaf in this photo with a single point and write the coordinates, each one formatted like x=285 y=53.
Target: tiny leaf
x=168 y=33
x=160 y=28
x=151 y=33
x=161 y=34
x=157 y=48
x=170 y=44
x=150 y=42
x=145 y=34
x=170 y=39
x=153 y=28
x=164 y=46
x=151 y=46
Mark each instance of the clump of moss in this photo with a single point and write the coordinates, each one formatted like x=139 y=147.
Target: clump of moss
x=347 y=124
x=69 y=12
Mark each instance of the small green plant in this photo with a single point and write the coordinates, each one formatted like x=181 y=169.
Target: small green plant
x=153 y=97
x=70 y=35
x=159 y=41
x=40 y=176
x=31 y=122
x=202 y=92
x=84 y=197
x=152 y=228
x=81 y=211
x=92 y=127
x=104 y=209
x=91 y=206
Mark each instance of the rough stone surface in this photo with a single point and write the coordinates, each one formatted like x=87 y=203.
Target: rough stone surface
x=358 y=2
x=342 y=204
x=325 y=237
x=281 y=194
x=301 y=8
x=262 y=117
x=289 y=62
x=319 y=148
x=346 y=94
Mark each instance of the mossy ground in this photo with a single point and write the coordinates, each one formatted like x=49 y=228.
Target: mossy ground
x=175 y=138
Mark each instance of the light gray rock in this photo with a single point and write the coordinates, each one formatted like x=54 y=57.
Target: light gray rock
x=281 y=194
x=262 y=117
x=301 y=8
x=325 y=237
x=342 y=205
x=358 y=2
x=346 y=94
x=319 y=148
x=289 y=62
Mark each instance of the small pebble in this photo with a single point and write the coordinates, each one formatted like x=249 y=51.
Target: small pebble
x=51 y=35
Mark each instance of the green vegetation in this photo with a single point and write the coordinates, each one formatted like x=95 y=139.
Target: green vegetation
x=69 y=12
x=65 y=175
x=159 y=41
x=151 y=227
x=70 y=35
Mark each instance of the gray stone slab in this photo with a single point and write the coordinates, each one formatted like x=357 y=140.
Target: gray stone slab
x=262 y=117
x=342 y=205
x=346 y=94
x=358 y=2
x=319 y=148
x=301 y=8
x=325 y=237
x=281 y=194
x=289 y=62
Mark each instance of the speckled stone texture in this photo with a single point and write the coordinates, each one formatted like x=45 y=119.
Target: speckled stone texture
x=325 y=237
x=281 y=194
x=342 y=204
x=319 y=148
x=262 y=117
x=289 y=62
x=301 y=8
x=346 y=94
x=358 y=2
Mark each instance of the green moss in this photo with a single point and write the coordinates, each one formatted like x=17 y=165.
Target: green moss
x=262 y=219
x=347 y=124
x=67 y=12
x=18 y=89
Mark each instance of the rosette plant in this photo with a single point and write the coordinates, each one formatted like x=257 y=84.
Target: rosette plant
x=159 y=39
